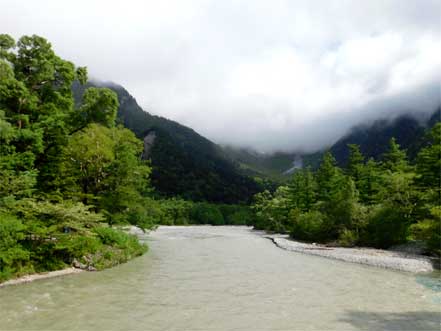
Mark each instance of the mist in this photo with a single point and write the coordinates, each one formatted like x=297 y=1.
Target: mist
x=270 y=75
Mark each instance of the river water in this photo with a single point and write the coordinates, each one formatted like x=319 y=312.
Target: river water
x=224 y=278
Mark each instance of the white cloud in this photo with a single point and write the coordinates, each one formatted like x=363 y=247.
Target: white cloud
x=274 y=74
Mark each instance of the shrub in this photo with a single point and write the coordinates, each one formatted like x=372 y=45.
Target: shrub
x=240 y=217
x=204 y=213
x=348 y=238
x=310 y=226
x=386 y=226
x=429 y=230
x=14 y=257
x=117 y=247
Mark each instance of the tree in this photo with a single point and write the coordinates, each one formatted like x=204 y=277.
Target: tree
x=86 y=162
x=128 y=181
x=428 y=181
x=428 y=166
x=369 y=182
x=52 y=157
x=356 y=162
x=99 y=105
x=303 y=189
x=329 y=178
x=395 y=159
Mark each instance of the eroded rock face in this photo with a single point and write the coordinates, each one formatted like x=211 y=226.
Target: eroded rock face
x=149 y=140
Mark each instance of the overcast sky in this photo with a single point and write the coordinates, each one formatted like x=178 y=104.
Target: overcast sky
x=283 y=75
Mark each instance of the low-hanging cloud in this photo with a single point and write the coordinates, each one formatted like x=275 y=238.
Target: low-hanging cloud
x=272 y=75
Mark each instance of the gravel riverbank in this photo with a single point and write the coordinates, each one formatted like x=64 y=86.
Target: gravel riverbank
x=369 y=256
x=51 y=274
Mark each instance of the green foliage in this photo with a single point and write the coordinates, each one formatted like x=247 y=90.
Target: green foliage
x=63 y=172
x=369 y=182
x=99 y=105
x=236 y=214
x=205 y=213
x=328 y=177
x=429 y=230
x=394 y=159
x=14 y=257
x=348 y=238
x=311 y=226
x=356 y=161
x=387 y=226
x=183 y=212
x=369 y=204
x=303 y=189
x=428 y=165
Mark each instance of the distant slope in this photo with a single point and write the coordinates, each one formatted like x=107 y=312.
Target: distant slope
x=184 y=163
x=258 y=164
x=373 y=140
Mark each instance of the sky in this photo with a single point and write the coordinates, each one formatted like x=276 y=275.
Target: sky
x=290 y=75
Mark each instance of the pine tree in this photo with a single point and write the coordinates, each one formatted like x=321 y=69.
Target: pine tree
x=369 y=182
x=395 y=159
x=328 y=178
x=428 y=165
x=356 y=161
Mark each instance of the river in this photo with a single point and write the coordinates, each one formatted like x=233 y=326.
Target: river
x=224 y=278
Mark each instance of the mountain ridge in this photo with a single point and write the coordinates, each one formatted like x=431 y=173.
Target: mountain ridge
x=372 y=137
x=184 y=163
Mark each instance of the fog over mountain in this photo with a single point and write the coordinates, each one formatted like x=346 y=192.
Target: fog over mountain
x=272 y=75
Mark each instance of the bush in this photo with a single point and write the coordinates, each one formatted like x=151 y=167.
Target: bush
x=69 y=247
x=117 y=247
x=236 y=214
x=386 y=226
x=14 y=258
x=348 y=238
x=310 y=226
x=240 y=217
x=429 y=230
x=205 y=213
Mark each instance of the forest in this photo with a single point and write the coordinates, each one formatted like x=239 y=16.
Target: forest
x=368 y=203
x=71 y=176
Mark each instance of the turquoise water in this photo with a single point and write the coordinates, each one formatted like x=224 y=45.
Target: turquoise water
x=225 y=278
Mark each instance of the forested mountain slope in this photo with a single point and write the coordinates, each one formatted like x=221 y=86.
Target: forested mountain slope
x=184 y=163
x=372 y=138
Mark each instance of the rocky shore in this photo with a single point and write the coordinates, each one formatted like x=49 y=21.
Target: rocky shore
x=51 y=274
x=375 y=257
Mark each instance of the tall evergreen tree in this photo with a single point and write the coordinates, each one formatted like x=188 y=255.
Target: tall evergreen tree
x=328 y=177
x=356 y=161
x=428 y=166
x=395 y=159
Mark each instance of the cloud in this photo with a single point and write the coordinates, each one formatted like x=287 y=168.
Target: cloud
x=273 y=75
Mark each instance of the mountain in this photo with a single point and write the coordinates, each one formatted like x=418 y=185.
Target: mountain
x=184 y=163
x=259 y=164
x=372 y=138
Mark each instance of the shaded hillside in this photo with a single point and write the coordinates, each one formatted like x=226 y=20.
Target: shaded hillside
x=373 y=139
x=258 y=164
x=184 y=163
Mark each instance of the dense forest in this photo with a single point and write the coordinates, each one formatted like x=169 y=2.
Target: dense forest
x=66 y=173
x=75 y=169
x=370 y=203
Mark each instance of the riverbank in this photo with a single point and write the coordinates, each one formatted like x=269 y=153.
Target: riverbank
x=43 y=275
x=369 y=256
